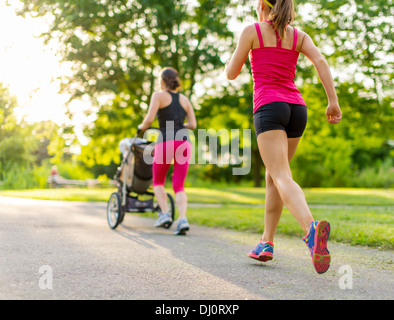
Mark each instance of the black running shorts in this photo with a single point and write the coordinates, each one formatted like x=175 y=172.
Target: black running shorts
x=281 y=116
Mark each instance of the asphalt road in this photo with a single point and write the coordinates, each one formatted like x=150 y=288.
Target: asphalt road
x=65 y=250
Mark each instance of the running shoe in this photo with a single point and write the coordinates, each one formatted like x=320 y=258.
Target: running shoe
x=164 y=220
x=316 y=240
x=182 y=227
x=264 y=251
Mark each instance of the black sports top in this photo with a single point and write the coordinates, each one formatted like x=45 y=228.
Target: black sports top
x=171 y=119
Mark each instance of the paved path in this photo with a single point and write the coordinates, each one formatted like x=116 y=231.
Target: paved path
x=65 y=250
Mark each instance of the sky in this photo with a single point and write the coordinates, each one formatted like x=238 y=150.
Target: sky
x=30 y=69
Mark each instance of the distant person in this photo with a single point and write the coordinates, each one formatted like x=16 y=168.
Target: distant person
x=171 y=108
x=54 y=177
x=280 y=116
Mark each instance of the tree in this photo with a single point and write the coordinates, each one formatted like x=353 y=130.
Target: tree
x=15 y=143
x=117 y=48
x=357 y=37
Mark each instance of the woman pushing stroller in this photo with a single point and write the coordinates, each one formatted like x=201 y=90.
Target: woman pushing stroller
x=171 y=108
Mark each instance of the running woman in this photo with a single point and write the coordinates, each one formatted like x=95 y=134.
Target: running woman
x=171 y=108
x=280 y=117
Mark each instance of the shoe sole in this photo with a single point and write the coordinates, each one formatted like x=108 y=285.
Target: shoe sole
x=261 y=257
x=321 y=257
x=164 y=225
x=181 y=232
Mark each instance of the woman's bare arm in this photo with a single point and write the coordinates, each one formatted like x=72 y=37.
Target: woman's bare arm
x=234 y=66
x=152 y=111
x=308 y=48
x=190 y=116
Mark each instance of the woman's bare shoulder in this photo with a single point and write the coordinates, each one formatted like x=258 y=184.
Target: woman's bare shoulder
x=184 y=101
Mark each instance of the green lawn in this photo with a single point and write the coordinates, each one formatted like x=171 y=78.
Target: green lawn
x=330 y=196
x=70 y=194
x=357 y=216
x=367 y=226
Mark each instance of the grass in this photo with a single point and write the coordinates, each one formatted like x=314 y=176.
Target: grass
x=358 y=216
x=329 y=196
x=231 y=195
x=366 y=226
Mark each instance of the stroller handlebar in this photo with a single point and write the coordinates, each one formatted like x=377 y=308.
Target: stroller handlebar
x=150 y=128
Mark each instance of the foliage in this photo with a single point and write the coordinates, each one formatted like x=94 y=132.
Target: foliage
x=381 y=176
x=16 y=144
x=74 y=171
x=335 y=155
x=117 y=48
x=15 y=178
x=27 y=151
x=356 y=35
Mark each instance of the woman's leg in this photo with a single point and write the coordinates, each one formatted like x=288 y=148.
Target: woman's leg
x=274 y=150
x=181 y=203
x=273 y=146
x=159 y=170
x=161 y=197
x=273 y=209
x=273 y=201
x=181 y=166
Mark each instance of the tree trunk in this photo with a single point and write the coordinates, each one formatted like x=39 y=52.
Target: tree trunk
x=257 y=164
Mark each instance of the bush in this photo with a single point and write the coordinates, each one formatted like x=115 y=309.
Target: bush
x=74 y=171
x=380 y=177
x=18 y=178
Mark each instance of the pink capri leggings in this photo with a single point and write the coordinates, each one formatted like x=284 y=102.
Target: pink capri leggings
x=165 y=152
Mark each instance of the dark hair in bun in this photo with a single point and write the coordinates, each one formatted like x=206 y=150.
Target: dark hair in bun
x=171 y=78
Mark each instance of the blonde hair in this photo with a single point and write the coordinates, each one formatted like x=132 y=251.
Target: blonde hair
x=282 y=13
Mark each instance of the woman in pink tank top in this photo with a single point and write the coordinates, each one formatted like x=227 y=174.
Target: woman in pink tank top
x=280 y=115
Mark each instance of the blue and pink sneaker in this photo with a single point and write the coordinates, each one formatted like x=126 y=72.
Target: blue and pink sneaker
x=264 y=251
x=316 y=240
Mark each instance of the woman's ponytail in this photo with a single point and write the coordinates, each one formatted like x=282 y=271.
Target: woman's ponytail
x=170 y=78
x=282 y=14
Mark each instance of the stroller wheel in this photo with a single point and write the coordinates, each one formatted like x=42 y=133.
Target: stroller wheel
x=114 y=211
x=171 y=208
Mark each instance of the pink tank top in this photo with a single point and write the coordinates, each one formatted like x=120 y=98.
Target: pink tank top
x=273 y=70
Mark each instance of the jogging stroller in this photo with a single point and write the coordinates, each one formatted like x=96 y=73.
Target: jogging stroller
x=134 y=181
